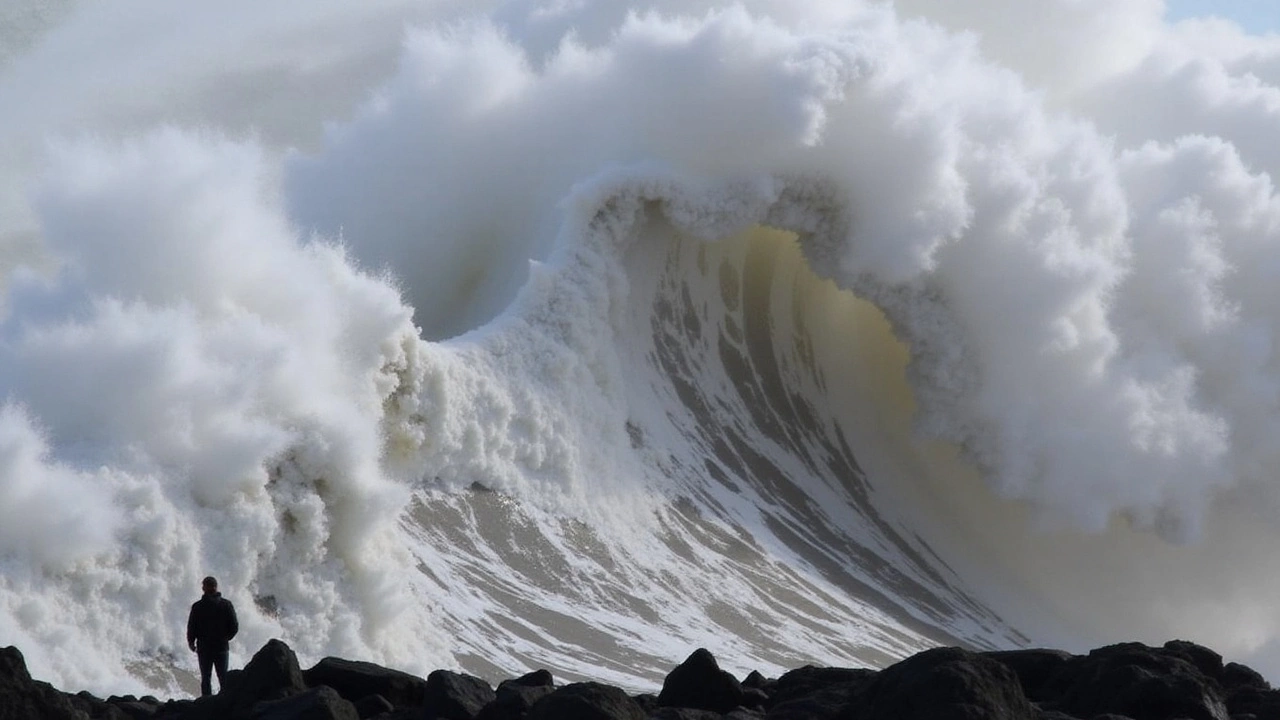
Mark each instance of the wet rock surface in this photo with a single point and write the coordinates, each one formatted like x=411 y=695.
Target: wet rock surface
x=1128 y=681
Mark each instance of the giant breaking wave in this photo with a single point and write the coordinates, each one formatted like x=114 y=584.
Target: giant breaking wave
x=578 y=335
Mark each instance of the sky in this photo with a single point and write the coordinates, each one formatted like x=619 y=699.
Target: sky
x=1257 y=16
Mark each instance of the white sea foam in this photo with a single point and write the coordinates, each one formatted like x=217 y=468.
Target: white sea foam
x=270 y=310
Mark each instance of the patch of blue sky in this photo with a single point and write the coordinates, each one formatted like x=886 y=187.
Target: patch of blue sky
x=1255 y=16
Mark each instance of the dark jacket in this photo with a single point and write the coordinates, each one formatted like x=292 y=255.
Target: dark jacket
x=212 y=622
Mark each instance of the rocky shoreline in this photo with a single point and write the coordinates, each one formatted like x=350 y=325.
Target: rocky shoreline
x=1175 y=681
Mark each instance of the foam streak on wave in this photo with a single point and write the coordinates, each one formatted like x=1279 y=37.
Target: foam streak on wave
x=803 y=331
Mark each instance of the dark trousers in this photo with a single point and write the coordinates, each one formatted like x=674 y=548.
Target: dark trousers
x=212 y=660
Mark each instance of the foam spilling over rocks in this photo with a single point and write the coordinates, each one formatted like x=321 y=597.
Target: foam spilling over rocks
x=1180 y=680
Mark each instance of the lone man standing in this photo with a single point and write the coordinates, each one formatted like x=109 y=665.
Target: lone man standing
x=210 y=627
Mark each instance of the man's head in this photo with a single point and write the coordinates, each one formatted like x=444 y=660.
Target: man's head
x=210 y=584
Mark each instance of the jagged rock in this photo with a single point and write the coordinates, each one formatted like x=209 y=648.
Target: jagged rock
x=754 y=697
x=1130 y=681
x=1034 y=668
x=318 y=703
x=136 y=709
x=1236 y=676
x=810 y=680
x=272 y=674
x=945 y=684
x=648 y=702
x=537 y=678
x=354 y=680
x=827 y=703
x=117 y=707
x=1208 y=662
x=755 y=680
x=586 y=701
x=372 y=706
x=524 y=691
x=22 y=698
x=1252 y=701
x=455 y=696
x=212 y=707
x=1246 y=692
x=401 y=714
x=96 y=708
x=700 y=684
x=675 y=713
x=1141 y=682
x=514 y=697
x=173 y=709
x=1054 y=715
x=814 y=693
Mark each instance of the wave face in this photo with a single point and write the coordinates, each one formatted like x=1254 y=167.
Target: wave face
x=579 y=335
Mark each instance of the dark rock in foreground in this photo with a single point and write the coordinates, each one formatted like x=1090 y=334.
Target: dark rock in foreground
x=1129 y=681
x=946 y=684
x=356 y=680
x=698 y=683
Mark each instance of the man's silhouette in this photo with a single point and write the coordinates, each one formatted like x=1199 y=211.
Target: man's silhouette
x=210 y=627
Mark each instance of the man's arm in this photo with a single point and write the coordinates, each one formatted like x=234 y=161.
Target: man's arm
x=233 y=624
x=191 y=629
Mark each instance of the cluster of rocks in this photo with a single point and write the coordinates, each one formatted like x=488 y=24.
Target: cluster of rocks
x=1178 y=681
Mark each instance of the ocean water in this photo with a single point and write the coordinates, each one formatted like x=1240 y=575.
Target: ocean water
x=505 y=335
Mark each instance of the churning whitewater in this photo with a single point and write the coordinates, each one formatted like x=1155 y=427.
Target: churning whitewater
x=578 y=335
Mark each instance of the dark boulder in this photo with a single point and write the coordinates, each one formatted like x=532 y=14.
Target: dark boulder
x=586 y=701
x=1246 y=692
x=815 y=693
x=400 y=714
x=212 y=707
x=455 y=696
x=372 y=706
x=172 y=709
x=808 y=680
x=135 y=709
x=116 y=707
x=22 y=698
x=1252 y=701
x=648 y=702
x=944 y=684
x=319 y=703
x=754 y=698
x=825 y=704
x=514 y=697
x=1208 y=662
x=272 y=674
x=1237 y=678
x=756 y=680
x=355 y=680
x=1140 y=682
x=700 y=684
x=675 y=713
x=1034 y=668
x=96 y=708
x=537 y=678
